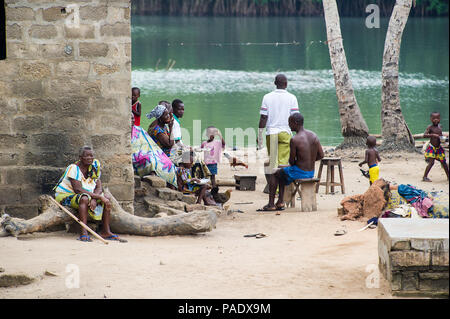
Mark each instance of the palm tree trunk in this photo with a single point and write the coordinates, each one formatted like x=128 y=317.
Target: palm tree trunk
x=395 y=132
x=354 y=127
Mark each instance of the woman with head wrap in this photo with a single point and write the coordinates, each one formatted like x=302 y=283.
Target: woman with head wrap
x=160 y=133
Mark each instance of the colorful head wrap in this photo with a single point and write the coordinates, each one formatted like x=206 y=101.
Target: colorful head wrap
x=156 y=112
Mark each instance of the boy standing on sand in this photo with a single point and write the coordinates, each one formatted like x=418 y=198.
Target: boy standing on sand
x=136 y=105
x=213 y=155
x=372 y=158
x=434 y=149
x=305 y=150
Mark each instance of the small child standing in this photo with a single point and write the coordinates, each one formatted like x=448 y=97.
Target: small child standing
x=189 y=185
x=213 y=155
x=434 y=149
x=136 y=105
x=372 y=158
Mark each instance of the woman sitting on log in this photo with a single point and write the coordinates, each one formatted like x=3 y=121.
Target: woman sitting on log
x=80 y=188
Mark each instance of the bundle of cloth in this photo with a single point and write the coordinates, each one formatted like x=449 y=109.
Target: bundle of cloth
x=409 y=201
x=382 y=200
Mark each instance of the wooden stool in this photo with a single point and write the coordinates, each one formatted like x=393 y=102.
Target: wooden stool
x=307 y=194
x=330 y=162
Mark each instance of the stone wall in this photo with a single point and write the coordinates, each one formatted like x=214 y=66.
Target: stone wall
x=414 y=255
x=64 y=85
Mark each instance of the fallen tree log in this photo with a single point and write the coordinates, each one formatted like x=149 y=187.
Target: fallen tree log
x=51 y=216
x=121 y=221
x=182 y=224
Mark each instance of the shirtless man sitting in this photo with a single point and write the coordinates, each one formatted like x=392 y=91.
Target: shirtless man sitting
x=305 y=149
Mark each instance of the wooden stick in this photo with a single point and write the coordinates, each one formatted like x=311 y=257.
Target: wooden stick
x=80 y=222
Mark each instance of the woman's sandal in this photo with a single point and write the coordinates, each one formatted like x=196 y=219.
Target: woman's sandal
x=267 y=209
x=116 y=238
x=84 y=238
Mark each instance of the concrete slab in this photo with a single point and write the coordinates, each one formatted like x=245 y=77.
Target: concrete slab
x=412 y=228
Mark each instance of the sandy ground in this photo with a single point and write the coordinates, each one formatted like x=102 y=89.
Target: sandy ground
x=299 y=258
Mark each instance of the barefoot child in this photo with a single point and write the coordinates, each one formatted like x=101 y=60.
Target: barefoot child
x=189 y=185
x=136 y=105
x=434 y=149
x=212 y=156
x=372 y=158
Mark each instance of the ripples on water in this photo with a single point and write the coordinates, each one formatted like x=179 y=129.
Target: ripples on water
x=184 y=81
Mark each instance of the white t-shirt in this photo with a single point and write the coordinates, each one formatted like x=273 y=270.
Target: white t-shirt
x=278 y=105
x=176 y=130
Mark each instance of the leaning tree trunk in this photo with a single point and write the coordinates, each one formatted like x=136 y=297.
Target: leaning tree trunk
x=354 y=127
x=395 y=132
x=121 y=221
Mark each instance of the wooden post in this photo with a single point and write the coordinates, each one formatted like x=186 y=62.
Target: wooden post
x=308 y=194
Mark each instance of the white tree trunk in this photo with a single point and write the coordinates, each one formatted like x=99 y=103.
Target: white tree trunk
x=354 y=127
x=395 y=131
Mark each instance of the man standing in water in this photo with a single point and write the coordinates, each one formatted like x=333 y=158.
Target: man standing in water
x=276 y=108
x=305 y=150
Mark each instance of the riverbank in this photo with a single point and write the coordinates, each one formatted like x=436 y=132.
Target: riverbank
x=299 y=258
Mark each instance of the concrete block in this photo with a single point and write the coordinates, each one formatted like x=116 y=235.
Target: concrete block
x=53 y=14
x=154 y=181
x=176 y=205
x=116 y=30
x=122 y=192
x=103 y=69
x=43 y=31
x=400 y=245
x=28 y=123
x=9 y=159
x=168 y=194
x=189 y=199
x=84 y=31
x=22 y=211
x=93 y=49
x=435 y=245
x=9 y=195
x=192 y=207
x=410 y=281
x=35 y=70
x=73 y=69
x=19 y=14
x=396 y=281
x=440 y=259
x=28 y=89
x=14 y=31
x=93 y=13
x=409 y=258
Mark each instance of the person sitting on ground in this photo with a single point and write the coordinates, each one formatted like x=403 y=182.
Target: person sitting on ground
x=372 y=158
x=434 y=151
x=80 y=188
x=189 y=185
x=161 y=133
x=305 y=149
x=213 y=151
x=136 y=107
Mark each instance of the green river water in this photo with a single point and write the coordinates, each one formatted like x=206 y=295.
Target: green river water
x=224 y=66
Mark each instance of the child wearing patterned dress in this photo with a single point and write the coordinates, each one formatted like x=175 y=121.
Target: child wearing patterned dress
x=189 y=185
x=434 y=150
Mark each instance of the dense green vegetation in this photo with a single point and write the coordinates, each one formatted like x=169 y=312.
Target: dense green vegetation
x=347 y=8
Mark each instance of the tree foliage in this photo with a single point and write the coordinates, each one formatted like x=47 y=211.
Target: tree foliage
x=347 y=8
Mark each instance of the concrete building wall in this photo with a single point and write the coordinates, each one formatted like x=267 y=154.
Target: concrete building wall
x=64 y=85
